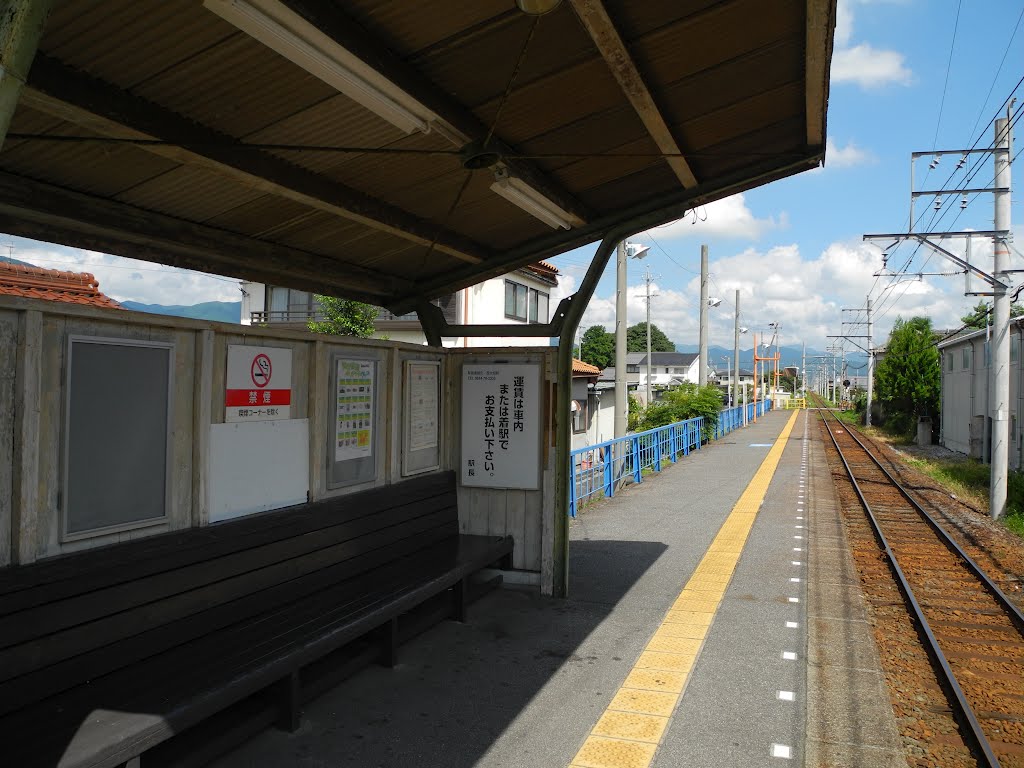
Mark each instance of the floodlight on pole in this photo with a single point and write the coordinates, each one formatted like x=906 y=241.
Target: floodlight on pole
x=714 y=302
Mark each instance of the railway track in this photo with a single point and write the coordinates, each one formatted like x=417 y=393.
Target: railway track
x=972 y=632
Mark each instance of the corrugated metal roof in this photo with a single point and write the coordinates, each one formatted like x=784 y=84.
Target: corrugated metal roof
x=732 y=80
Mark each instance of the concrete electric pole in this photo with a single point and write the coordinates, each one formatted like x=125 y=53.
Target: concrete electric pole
x=1000 y=366
x=621 y=397
x=702 y=364
x=648 y=279
x=736 y=353
x=871 y=365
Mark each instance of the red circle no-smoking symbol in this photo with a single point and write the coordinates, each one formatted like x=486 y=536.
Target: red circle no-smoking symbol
x=261 y=370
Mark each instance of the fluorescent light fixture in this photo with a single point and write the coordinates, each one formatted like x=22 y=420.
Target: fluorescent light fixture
x=522 y=195
x=285 y=32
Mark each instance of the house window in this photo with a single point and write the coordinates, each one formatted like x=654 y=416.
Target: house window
x=289 y=304
x=949 y=361
x=116 y=435
x=516 y=301
x=1014 y=349
x=538 y=306
x=632 y=369
x=966 y=361
x=579 y=416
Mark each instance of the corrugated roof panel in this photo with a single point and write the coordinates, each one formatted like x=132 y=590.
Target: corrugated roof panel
x=188 y=192
x=125 y=41
x=752 y=148
x=729 y=122
x=99 y=169
x=407 y=28
x=648 y=184
x=236 y=86
x=558 y=42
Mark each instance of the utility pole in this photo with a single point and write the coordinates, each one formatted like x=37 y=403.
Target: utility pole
x=998 y=280
x=803 y=367
x=648 y=278
x=1000 y=365
x=702 y=365
x=621 y=398
x=871 y=365
x=736 y=353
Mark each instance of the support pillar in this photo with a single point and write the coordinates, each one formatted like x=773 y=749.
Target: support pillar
x=21 y=26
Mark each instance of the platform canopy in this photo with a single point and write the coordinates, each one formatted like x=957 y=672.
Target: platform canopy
x=395 y=150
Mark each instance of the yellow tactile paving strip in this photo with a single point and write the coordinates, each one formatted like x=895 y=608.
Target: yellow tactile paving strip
x=628 y=733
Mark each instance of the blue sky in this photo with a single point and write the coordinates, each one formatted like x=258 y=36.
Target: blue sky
x=793 y=248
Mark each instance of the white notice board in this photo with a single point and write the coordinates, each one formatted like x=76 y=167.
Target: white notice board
x=256 y=466
x=422 y=416
x=501 y=415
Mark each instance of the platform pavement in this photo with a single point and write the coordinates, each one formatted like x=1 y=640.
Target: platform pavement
x=527 y=679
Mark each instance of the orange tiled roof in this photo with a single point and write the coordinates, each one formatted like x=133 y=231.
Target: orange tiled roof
x=543 y=268
x=52 y=285
x=584 y=369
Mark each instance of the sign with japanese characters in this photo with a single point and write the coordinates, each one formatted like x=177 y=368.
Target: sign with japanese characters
x=501 y=414
x=353 y=427
x=259 y=384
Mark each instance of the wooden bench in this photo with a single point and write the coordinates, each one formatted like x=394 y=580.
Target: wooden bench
x=105 y=654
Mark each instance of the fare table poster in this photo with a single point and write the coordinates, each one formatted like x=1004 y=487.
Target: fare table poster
x=422 y=381
x=355 y=409
x=501 y=413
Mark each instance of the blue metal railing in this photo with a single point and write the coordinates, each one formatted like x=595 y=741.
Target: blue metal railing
x=599 y=470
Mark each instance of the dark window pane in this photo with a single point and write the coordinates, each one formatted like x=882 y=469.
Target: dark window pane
x=542 y=308
x=510 y=299
x=521 y=302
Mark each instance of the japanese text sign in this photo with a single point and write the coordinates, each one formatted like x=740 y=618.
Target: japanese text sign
x=501 y=413
x=259 y=383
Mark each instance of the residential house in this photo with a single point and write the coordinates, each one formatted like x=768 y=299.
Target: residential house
x=17 y=279
x=966 y=367
x=522 y=296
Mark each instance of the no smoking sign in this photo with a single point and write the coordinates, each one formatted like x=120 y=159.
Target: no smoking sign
x=258 y=384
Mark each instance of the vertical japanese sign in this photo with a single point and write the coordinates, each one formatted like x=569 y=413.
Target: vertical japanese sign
x=501 y=412
x=258 y=386
x=354 y=414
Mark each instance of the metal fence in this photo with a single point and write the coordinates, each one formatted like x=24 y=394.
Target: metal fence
x=598 y=471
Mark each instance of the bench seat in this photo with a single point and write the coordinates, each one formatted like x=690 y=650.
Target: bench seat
x=96 y=673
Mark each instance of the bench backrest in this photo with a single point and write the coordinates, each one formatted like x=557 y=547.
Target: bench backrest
x=80 y=616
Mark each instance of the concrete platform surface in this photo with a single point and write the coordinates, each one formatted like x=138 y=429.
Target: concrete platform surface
x=594 y=680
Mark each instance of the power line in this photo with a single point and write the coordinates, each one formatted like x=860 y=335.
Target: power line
x=949 y=63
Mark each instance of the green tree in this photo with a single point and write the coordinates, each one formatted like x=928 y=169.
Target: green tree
x=344 y=317
x=686 y=401
x=597 y=347
x=907 y=378
x=980 y=315
x=636 y=339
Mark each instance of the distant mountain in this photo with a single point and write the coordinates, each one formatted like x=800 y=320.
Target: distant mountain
x=789 y=356
x=218 y=311
x=12 y=260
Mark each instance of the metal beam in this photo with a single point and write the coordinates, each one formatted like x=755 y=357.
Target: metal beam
x=46 y=212
x=21 y=26
x=651 y=213
x=821 y=24
x=74 y=96
x=595 y=19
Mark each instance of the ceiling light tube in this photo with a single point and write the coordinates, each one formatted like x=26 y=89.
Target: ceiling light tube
x=522 y=195
x=285 y=32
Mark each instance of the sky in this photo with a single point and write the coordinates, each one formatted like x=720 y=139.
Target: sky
x=907 y=75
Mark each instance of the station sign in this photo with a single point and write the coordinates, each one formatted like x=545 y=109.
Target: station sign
x=259 y=384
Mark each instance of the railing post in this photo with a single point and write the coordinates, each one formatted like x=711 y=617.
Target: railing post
x=609 y=463
x=572 y=485
x=672 y=443
x=657 y=450
x=638 y=472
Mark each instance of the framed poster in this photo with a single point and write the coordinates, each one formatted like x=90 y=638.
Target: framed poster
x=353 y=429
x=421 y=433
x=501 y=419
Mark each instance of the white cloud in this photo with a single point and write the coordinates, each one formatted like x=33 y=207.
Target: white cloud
x=847 y=156
x=805 y=296
x=130 y=279
x=728 y=217
x=869 y=67
x=844 y=23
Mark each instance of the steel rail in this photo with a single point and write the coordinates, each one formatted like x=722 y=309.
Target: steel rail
x=1016 y=615
x=931 y=644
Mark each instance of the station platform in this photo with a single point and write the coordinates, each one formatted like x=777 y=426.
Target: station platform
x=714 y=619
